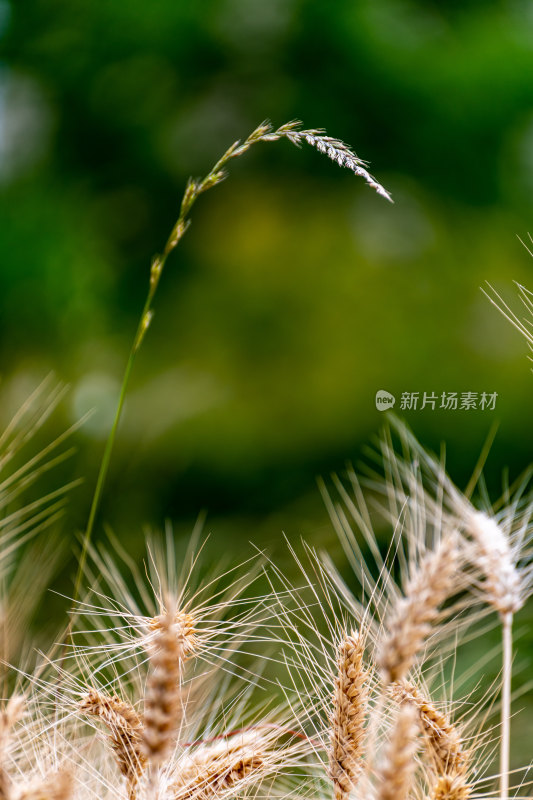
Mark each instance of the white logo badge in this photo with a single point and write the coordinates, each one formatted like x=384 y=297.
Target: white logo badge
x=384 y=400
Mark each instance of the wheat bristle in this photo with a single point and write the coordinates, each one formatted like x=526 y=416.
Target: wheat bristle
x=411 y=619
x=348 y=718
x=443 y=740
x=397 y=770
x=173 y=641
x=214 y=768
x=125 y=729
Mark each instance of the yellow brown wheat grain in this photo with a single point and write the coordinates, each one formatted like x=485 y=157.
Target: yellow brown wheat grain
x=173 y=641
x=217 y=767
x=410 y=622
x=451 y=787
x=443 y=741
x=125 y=730
x=348 y=718
x=395 y=776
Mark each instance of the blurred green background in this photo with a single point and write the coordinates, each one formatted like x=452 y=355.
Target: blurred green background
x=297 y=293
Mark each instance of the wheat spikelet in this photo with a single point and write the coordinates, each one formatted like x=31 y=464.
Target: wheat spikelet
x=221 y=766
x=451 y=787
x=494 y=557
x=410 y=623
x=58 y=786
x=397 y=770
x=348 y=719
x=172 y=642
x=125 y=727
x=443 y=740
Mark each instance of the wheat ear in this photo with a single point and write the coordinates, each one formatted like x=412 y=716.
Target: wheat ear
x=451 y=787
x=494 y=557
x=396 y=774
x=172 y=642
x=214 y=768
x=410 y=622
x=350 y=699
x=125 y=727
x=443 y=741
x=57 y=786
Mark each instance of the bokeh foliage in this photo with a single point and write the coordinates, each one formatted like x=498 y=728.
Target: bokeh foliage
x=297 y=293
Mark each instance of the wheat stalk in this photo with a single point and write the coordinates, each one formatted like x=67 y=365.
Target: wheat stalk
x=348 y=719
x=410 y=622
x=504 y=591
x=504 y=588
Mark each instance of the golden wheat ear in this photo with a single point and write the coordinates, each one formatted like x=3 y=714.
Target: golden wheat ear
x=451 y=787
x=410 y=621
x=396 y=773
x=222 y=767
x=125 y=732
x=350 y=702
x=172 y=643
x=444 y=746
